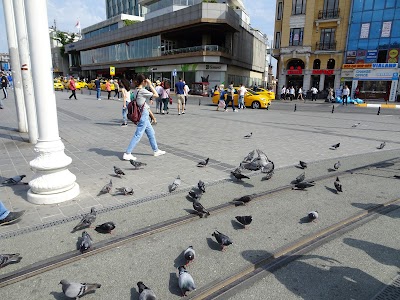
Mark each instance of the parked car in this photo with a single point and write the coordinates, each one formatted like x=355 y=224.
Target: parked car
x=91 y=85
x=251 y=99
x=267 y=94
x=103 y=85
x=58 y=85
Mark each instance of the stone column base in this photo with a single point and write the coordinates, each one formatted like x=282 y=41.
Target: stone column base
x=54 y=198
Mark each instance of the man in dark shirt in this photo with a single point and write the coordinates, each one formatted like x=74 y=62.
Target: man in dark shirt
x=179 y=90
x=4 y=84
x=98 y=89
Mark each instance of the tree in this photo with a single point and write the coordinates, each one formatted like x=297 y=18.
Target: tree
x=64 y=39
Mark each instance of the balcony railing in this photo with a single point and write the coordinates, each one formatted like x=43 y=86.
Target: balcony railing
x=329 y=14
x=205 y=48
x=329 y=46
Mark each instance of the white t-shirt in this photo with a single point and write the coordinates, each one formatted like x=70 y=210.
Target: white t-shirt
x=186 y=90
x=242 y=91
x=314 y=90
x=300 y=91
x=346 y=92
x=283 y=90
x=141 y=96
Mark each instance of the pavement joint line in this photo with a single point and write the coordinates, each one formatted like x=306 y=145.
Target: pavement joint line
x=285 y=254
x=390 y=291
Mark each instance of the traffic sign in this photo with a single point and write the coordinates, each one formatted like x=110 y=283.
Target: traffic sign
x=112 y=71
x=174 y=72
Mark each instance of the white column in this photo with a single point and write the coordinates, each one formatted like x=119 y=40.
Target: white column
x=15 y=65
x=53 y=182
x=25 y=61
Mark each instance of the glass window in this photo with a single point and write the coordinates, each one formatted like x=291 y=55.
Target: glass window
x=330 y=64
x=358 y=5
x=367 y=16
x=298 y=7
x=384 y=43
x=368 y=4
x=388 y=15
x=382 y=54
x=379 y=4
x=296 y=37
x=327 y=39
x=357 y=17
x=331 y=4
x=375 y=30
x=377 y=15
x=363 y=44
x=280 y=11
x=317 y=64
x=396 y=28
x=373 y=44
x=278 y=40
x=352 y=45
x=354 y=32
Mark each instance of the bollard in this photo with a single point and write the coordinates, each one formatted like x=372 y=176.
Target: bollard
x=295 y=107
x=333 y=108
x=199 y=101
x=90 y=92
x=81 y=91
x=379 y=111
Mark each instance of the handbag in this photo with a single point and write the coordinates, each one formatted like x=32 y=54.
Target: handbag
x=170 y=100
x=221 y=103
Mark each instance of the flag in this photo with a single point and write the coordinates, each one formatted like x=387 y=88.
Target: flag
x=78 y=25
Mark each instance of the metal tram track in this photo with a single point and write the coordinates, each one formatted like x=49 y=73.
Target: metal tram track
x=73 y=256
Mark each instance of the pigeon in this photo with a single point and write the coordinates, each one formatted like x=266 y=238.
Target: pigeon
x=201 y=185
x=379 y=111
x=301 y=177
x=338 y=185
x=355 y=125
x=195 y=195
x=125 y=191
x=268 y=176
x=244 y=220
x=222 y=239
x=268 y=167
x=145 y=293
x=186 y=282
x=189 y=254
x=14 y=180
x=137 y=164
x=313 y=216
x=118 y=171
x=303 y=164
x=397 y=176
x=303 y=185
x=105 y=227
x=199 y=208
x=247 y=136
x=243 y=200
x=87 y=220
x=76 y=290
x=237 y=173
x=86 y=242
x=203 y=163
x=337 y=165
x=335 y=146
x=382 y=145
x=175 y=184
x=107 y=188
x=6 y=259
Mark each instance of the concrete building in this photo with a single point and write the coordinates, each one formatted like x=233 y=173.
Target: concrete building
x=59 y=62
x=127 y=7
x=187 y=38
x=310 y=40
x=5 y=61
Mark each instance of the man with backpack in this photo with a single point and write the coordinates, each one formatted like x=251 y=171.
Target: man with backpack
x=4 y=84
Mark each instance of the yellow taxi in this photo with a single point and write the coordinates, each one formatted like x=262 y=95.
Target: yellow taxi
x=58 y=85
x=80 y=84
x=103 y=86
x=91 y=85
x=251 y=99
x=267 y=94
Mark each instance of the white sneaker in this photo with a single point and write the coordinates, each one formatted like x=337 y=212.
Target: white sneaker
x=98 y=99
x=128 y=156
x=159 y=152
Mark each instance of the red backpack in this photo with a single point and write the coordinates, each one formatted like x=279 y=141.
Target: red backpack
x=134 y=111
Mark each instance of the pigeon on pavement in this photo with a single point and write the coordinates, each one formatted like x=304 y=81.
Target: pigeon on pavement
x=125 y=191
x=222 y=239
x=186 y=282
x=355 y=125
x=202 y=186
x=86 y=221
x=338 y=185
x=301 y=177
x=107 y=188
x=243 y=200
x=244 y=220
x=175 y=184
x=85 y=242
x=303 y=164
x=137 y=164
x=382 y=145
x=189 y=254
x=247 y=136
x=76 y=290
x=337 y=165
x=303 y=185
x=6 y=259
x=105 y=227
x=145 y=293
x=237 y=173
x=334 y=147
x=203 y=163
x=196 y=196
x=118 y=171
x=199 y=208
x=268 y=176
x=313 y=216
x=14 y=180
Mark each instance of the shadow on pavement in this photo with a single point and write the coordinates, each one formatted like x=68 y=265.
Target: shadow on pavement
x=106 y=152
x=59 y=296
x=213 y=244
x=174 y=284
x=331 y=189
x=134 y=294
x=236 y=225
x=369 y=206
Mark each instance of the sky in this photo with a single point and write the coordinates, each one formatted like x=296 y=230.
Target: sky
x=89 y=12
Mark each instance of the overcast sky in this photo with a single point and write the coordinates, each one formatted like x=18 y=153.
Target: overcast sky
x=89 y=12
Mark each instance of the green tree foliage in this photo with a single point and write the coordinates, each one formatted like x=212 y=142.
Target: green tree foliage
x=64 y=39
x=210 y=1
x=129 y=22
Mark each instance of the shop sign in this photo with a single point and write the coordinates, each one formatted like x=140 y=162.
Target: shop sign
x=295 y=72
x=364 y=30
x=372 y=55
x=357 y=66
x=319 y=72
x=384 y=65
x=361 y=54
x=351 y=57
x=386 y=28
x=393 y=91
x=347 y=73
x=376 y=74
x=393 y=55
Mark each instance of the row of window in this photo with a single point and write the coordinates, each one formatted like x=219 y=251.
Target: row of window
x=167 y=3
x=101 y=30
x=327 y=38
x=362 y=5
x=299 y=7
x=299 y=64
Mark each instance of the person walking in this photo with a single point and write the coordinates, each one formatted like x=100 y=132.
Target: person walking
x=314 y=92
x=8 y=217
x=221 y=101
x=179 y=90
x=116 y=89
x=4 y=84
x=98 y=88
x=186 y=92
x=292 y=93
x=72 y=87
x=142 y=95
x=283 y=93
x=159 y=90
x=345 y=94
x=230 y=97
x=108 y=89
x=165 y=97
x=242 y=92
x=300 y=94
x=10 y=80
x=126 y=98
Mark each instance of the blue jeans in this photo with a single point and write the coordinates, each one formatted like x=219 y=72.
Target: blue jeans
x=125 y=114
x=241 y=102
x=5 y=92
x=3 y=211
x=98 y=93
x=142 y=127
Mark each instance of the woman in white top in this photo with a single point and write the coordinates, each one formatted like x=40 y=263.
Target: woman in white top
x=126 y=98
x=142 y=95
x=165 y=97
x=300 y=94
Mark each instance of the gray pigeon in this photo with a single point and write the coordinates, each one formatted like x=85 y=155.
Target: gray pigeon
x=196 y=196
x=222 y=239
x=257 y=160
x=243 y=200
x=85 y=242
x=338 y=185
x=186 y=282
x=303 y=164
x=334 y=147
x=382 y=145
x=107 y=188
x=247 y=136
x=14 y=180
x=356 y=124
x=313 y=216
x=145 y=293
x=118 y=171
x=244 y=220
x=137 y=164
x=303 y=185
x=199 y=208
x=177 y=182
x=6 y=259
x=203 y=163
x=189 y=254
x=237 y=173
x=301 y=177
x=337 y=165
x=202 y=186
x=76 y=290
x=268 y=176
x=87 y=220
x=106 y=227
x=124 y=191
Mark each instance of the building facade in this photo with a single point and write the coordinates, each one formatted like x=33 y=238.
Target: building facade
x=127 y=7
x=203 y=42
x=310 y=41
